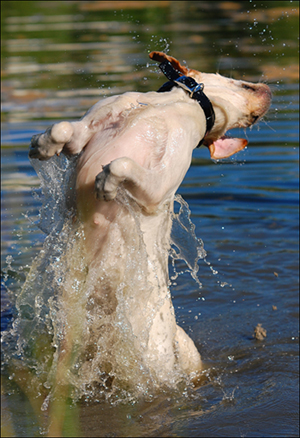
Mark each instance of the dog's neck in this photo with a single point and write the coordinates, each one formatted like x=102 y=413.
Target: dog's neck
x=194 y=89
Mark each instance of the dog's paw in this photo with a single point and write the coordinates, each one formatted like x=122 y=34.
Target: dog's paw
x=51 y=142
x=106 y=185
x=112 y=176
x=39 y=148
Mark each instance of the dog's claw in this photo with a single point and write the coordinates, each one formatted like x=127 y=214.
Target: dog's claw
x=106 y=185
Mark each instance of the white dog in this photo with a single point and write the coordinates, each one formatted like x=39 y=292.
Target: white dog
x=143 y=142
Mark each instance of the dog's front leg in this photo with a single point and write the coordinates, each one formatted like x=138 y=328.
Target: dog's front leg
x=144 y=185
x=51 y=142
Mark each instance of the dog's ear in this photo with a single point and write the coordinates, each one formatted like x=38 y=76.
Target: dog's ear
x=161 y=56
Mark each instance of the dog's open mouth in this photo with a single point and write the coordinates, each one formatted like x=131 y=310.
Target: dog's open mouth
x=225 y=146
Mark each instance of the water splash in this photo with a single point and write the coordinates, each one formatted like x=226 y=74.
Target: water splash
x=186 y=245
x=60 y=309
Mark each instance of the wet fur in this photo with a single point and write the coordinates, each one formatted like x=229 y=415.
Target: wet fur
x=143 y=143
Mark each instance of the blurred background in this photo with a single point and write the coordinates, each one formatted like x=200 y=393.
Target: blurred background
x=58 y=58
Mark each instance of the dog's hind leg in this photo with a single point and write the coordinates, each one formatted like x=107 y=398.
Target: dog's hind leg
x=188 y=356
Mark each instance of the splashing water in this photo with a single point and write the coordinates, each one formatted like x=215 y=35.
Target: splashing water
x=186 y=245
x=60 y=309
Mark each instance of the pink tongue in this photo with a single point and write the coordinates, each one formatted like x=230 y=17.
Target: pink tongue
x=225 y=147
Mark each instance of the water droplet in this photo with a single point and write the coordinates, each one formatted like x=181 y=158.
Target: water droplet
x=9 y=259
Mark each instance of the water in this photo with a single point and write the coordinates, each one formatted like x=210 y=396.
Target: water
x=57 y=60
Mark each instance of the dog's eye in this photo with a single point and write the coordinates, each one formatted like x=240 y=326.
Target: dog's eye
x=248 y=87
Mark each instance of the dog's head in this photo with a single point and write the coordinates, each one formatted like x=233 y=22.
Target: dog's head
x=236 y=104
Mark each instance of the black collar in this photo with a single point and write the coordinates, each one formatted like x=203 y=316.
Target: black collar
x=194 y=89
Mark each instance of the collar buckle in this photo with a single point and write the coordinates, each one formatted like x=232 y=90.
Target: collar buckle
x=192 y=88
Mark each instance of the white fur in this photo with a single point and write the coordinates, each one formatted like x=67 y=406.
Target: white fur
x=144 y=143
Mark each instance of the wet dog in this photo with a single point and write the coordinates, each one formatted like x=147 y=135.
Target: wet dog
x=143 y=143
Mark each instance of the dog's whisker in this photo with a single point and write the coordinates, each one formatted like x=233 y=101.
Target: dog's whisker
x=268 y=125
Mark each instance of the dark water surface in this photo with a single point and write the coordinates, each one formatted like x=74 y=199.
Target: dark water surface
x=59 y=58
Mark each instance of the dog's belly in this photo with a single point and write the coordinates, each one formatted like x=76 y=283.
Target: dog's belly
x=129 y=271
x=128 y=256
